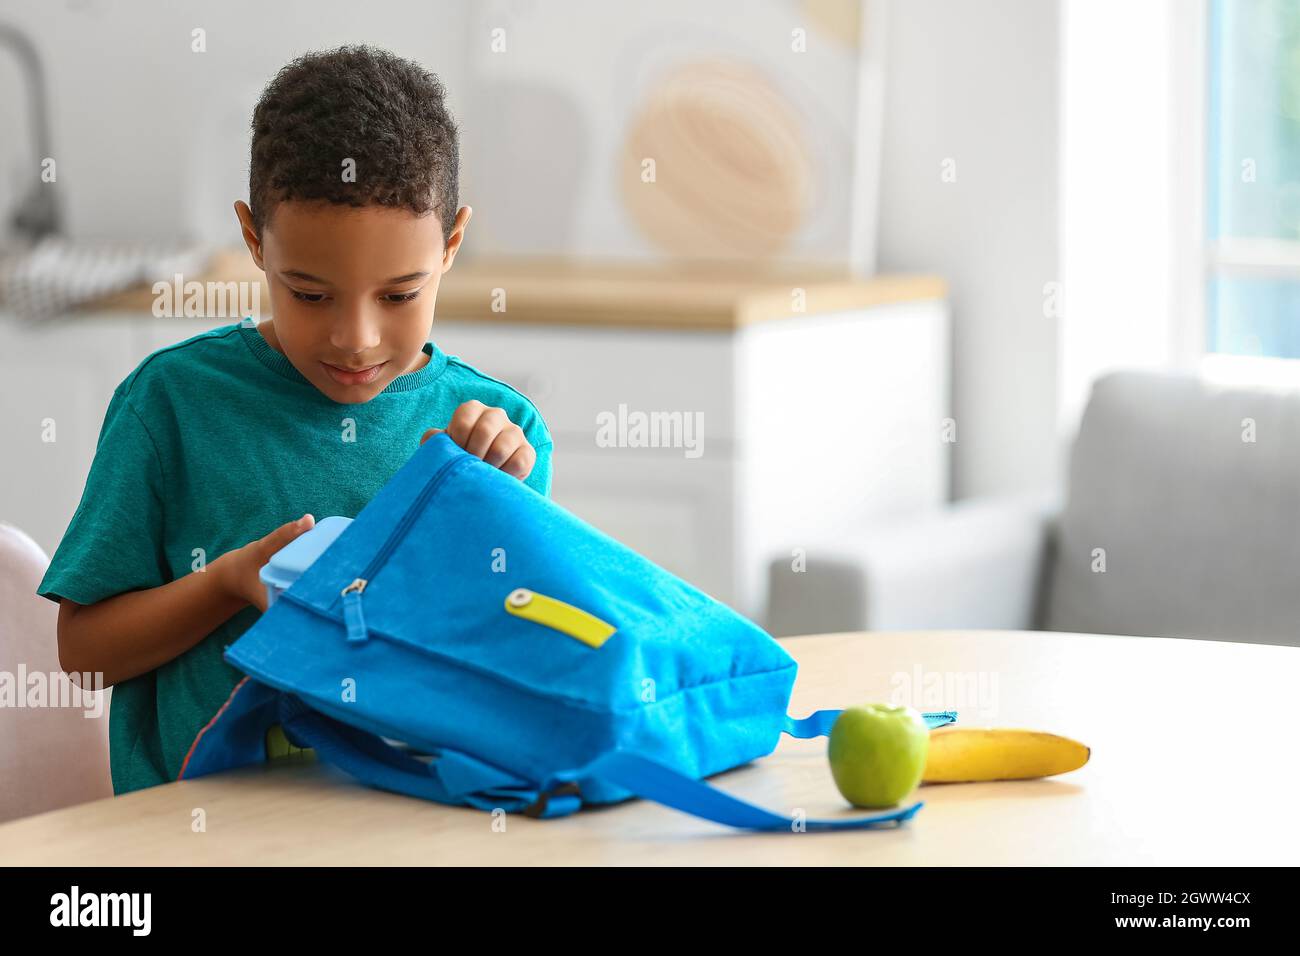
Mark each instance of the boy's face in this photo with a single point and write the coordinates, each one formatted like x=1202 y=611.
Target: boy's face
x=352 y=290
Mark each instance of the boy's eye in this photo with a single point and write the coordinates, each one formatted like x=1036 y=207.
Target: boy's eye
x=393 y=298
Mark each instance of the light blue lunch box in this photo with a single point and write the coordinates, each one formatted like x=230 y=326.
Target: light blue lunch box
x=293 y=559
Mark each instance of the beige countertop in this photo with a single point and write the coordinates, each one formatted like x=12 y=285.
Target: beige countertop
x=1192 y=763
x=566 y=293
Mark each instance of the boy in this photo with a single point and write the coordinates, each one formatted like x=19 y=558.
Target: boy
x=211 y=444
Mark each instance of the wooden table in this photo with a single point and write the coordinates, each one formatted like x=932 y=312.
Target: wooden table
x=1193 y=762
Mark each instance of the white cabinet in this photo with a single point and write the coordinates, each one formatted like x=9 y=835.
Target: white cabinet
x=808 y=424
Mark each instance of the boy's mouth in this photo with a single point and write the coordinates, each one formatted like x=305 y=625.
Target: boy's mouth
x=353 y=376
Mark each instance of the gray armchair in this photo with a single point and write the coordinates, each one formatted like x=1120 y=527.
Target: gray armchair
x=1181 y=519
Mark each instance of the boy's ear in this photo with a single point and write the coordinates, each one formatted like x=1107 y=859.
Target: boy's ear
x=249 y=232
x=452 y=246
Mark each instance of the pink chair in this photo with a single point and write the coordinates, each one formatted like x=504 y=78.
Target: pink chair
x=50 y=756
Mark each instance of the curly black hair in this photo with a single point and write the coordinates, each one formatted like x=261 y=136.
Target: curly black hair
x=360 y=102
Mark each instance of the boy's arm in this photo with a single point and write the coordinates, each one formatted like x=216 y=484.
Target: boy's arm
x=132 y=633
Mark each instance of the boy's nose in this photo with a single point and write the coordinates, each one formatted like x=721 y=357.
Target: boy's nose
x=355 y=332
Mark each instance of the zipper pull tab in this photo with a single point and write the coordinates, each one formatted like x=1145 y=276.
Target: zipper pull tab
x=559 y=616
x=353 y=618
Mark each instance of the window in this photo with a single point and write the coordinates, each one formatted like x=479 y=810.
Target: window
x=1252 y=214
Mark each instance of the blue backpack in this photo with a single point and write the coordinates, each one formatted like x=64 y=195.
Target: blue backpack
x=467 y=640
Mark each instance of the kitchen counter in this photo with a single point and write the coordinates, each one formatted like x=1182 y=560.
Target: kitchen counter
x=613 y=295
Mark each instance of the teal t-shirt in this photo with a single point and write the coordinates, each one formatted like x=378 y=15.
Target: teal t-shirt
x=210 y=444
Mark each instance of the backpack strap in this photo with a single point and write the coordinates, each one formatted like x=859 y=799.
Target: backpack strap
x=819 y=723
x=654 y=781
x=458 y=779
x=452 y=777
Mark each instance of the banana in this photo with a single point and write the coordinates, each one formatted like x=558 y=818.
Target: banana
x=968 y=754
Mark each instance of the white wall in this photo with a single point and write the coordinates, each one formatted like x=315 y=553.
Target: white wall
x=151 y=139
x=978 y=83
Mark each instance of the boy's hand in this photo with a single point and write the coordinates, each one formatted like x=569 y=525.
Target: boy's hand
x=489 y=434
x=238 y=570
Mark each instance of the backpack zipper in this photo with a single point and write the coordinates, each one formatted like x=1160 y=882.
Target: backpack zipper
x=353 y=617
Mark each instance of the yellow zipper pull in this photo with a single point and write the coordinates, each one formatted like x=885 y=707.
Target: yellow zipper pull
x=559 y=616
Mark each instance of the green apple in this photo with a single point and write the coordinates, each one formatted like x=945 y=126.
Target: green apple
x=877 y=754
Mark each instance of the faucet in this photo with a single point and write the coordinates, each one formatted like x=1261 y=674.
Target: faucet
x=37 y=214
